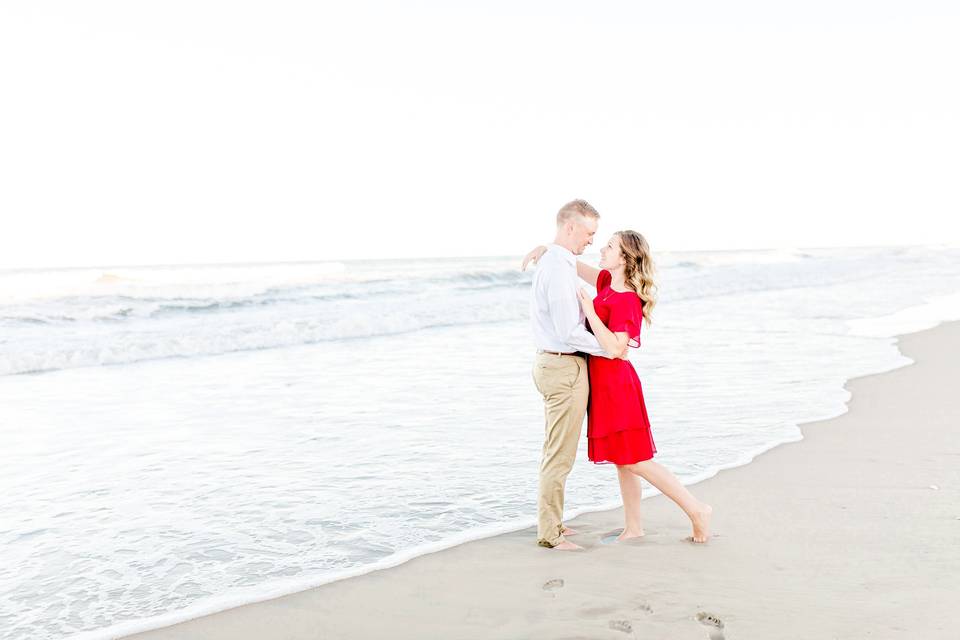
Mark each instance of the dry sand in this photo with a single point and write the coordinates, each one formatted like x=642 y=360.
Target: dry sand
x=853 y=532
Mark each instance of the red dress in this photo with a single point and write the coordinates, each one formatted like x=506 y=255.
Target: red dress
x=618 y=430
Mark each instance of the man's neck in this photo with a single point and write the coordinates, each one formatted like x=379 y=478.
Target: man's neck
x=560 y=242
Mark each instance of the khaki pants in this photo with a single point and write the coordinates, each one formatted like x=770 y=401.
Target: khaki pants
x=563 y=382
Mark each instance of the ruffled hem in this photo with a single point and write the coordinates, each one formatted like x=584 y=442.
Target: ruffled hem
x=621 y=447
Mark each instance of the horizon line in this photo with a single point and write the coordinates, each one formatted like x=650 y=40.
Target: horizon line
x=943 y=245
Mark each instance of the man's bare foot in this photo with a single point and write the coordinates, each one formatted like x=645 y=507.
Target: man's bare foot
x=630 y=533
x=701 y=524
x=567 y=531
x=566 y=545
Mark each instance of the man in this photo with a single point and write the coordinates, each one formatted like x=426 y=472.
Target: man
x=560 y=370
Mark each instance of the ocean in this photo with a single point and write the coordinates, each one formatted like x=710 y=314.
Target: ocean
x=177 y=440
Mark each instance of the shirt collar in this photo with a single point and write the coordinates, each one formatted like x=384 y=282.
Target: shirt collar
x=564 y=252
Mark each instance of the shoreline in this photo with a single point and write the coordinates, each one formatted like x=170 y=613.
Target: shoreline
x=340 y=609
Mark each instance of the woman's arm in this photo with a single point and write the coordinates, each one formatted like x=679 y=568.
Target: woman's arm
x=587 y=273
x=584 y=271
x=533 y=256
x=615 y=344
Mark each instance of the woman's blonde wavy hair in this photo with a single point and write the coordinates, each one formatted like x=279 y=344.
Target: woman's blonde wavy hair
x=639 y=269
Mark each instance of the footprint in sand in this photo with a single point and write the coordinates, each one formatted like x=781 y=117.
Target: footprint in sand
x=553 y=585
x=712 y=622
x=646 y=608
x=621 y=625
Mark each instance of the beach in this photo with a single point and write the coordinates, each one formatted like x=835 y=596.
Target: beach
x=187 y=440
x=850 y=533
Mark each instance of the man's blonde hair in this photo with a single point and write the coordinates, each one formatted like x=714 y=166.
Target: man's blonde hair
x=576 y=208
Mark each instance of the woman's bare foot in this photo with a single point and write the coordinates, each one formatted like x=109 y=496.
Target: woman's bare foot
x=701 y=524
x=567 y=531
x=566 y=545
x=630 y=533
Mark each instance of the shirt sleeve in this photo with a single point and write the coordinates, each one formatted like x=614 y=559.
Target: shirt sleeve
x=626 y=315
x=567 y=317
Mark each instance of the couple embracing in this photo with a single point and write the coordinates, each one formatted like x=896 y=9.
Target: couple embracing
x=582 y=344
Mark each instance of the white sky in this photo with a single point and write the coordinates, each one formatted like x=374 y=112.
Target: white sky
x=198 y=131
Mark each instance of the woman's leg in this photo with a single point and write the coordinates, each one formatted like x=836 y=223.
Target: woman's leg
x=660 y=477
x=632 y=492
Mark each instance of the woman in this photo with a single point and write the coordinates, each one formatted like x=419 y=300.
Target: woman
x=618 y=431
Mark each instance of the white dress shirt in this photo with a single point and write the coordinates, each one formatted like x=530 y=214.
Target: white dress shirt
x=555 y=314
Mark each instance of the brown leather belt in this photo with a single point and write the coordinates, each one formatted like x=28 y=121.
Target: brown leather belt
x=561 y=353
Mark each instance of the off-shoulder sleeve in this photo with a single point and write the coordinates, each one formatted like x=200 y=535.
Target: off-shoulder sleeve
x=626 y=315
x=603 y=280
